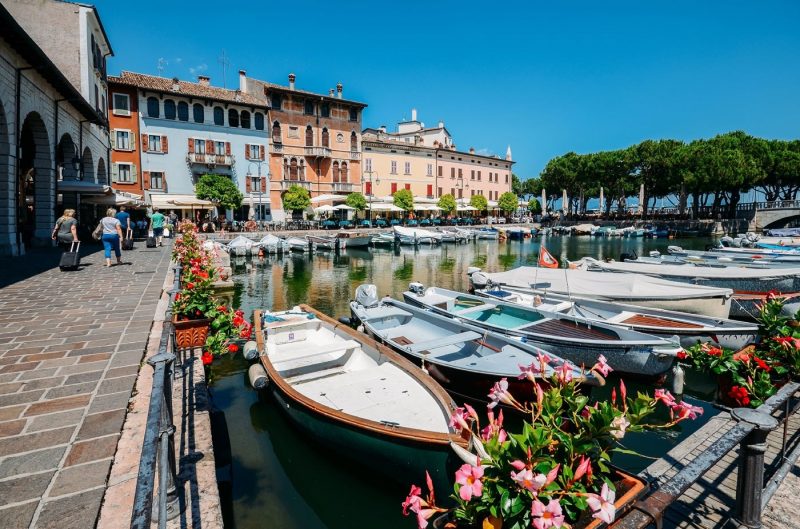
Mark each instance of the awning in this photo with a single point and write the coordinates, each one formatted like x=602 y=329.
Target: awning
x=84 y=187
x=326 y=198
x=324 y=209
x=120 y=198
x=466 y=208
x=426 y=207
x=167 y=200
x=379 y=206
x=344 y=207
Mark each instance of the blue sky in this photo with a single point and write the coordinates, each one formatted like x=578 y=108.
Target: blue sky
x=544 y=77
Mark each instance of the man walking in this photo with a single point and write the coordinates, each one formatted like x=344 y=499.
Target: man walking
x=124 y=219
x=157 y=225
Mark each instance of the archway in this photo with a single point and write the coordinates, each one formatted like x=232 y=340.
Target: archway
x=67 y=159
x=7 y=228
x=35 y=182
x=101 y=172
x=87 y=169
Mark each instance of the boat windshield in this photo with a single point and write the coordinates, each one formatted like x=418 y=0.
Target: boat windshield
x=505 y=317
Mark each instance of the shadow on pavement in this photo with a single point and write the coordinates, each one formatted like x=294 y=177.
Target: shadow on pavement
x=39 y=260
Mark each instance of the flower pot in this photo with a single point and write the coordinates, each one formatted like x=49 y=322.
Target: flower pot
x=191 y=333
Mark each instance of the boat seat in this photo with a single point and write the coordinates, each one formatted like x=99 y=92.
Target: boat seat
x=292 y=358
x=478 y=308
x=442 y=342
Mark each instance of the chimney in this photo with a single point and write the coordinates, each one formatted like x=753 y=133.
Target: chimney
x=339 y=90
x=243 y=81
x=330 y=92
x=413 y=114
x=441 y=124
x=382 y=128
x=175 y=84
x=204 y=80
x=472 y=150
x=291 y=81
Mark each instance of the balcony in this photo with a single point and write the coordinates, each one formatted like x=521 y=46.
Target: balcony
x=355 y=155
x=286 y=184
x=318 y=152
x=277 y=148
x=342 y=187
x=210 y=159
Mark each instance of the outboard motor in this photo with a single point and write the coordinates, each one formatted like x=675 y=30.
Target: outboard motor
x=674 y=249
x=726 y=241
x=479 y=280
x=655 y=254
x=367 y=295
x=417 y=288
x=628 y=257
x=472 y=269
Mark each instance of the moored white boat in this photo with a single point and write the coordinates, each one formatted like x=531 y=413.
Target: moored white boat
x=240 y=245
x=323 y=243
x=298 y=244
x=272 y=244
x=487 y=233
x=416 y=235
x=349 y=239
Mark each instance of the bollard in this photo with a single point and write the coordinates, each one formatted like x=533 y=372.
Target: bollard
x=750 y=478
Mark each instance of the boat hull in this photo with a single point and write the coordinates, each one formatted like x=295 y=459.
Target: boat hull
x=356 y=242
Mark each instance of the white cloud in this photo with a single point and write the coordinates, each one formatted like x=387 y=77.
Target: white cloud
x=200 y=68
x=483 y=151
x=178 y=60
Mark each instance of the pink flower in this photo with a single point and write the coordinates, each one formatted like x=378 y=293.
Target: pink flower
x=583 y=467
x=546 y=517
x=618 y=427
x=564 y=374
x=686 y=410
x=413 y=500
x=469 y=477
x=499 y=393
x=472 y=413
x=458 y=420
x=517 y=464
x=623 y=392
x=665 y=397
x=530 y=372
x=602 y=366
x=528 y=481
x=603 y=505
x=495 y=427
x=424 y=508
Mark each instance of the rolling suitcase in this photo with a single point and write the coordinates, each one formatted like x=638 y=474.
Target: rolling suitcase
x=71 y=260
x=151 y=242
x=127 y=242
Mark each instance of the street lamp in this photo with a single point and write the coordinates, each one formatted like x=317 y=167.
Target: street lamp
x=371 y=191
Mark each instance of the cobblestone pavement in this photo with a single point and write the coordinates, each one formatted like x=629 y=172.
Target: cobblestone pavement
x=71 y=344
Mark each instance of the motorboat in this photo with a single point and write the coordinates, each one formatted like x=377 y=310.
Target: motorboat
x=688 y=328
x=577 y=339
x=356 y=397
x=349 y=239
x=453 y=235
x=582 y=229
x=465 y=359
x=416 y=236
x=383 y=239
x=323 y=243
x=272 y=244
x=735 y=257
x=240 y=245
x=298 y=244
x=487 y=233
x=635 y=289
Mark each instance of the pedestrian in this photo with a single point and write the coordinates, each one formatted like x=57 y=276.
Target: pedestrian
x=157 y=225
x=124 y=219
x=112 y=235
x=65 y=231
x=173 y=218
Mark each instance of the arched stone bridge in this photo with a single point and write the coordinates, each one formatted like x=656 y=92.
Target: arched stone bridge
x=768 y=215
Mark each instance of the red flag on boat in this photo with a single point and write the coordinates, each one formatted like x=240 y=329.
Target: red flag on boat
x=546 y=259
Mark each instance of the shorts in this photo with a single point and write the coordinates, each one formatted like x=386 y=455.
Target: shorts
x=158 y=232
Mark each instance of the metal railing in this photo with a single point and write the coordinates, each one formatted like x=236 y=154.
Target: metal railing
x=158 y=446
x=750 y=434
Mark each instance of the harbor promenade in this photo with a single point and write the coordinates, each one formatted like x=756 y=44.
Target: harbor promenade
x=71 y=345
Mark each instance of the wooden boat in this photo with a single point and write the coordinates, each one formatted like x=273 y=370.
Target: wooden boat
x=577 y=339
x=323 y=243
x=465 y=359
x=356 y=397
x=298 y=244
x=635 y=289
x=689 y=328
x=348 y=239
x=414 y=236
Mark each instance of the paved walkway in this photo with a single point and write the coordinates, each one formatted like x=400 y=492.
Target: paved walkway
x=71 y=344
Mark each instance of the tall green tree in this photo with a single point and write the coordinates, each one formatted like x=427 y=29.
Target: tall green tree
x=356 y=201
x=516 y=185
x=479 y=202
x=447 y=203
x=219 y=189
x=404 y=199
x=508 y=202
x=296 y=198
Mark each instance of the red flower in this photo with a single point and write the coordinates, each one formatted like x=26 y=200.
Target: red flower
x=232 y=348
x=682 y=355
x=189 y=286
x=198 y=313
x=207 y=358
x=762 y=364
x=237 y=321
x=712 y=351
x=772 y=294
x=239 y=313
x=742 y=356
x=204 y=275
x=245 y=333
x=222 y=308
x=740 y=395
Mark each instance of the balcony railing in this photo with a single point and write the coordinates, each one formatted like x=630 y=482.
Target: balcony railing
x=355 y=155
x=277 y=148
x=210 y=159
x=318 y=152
x=286 y=184
x=343 y=187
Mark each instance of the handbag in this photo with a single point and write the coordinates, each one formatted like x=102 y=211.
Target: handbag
x=97 y=234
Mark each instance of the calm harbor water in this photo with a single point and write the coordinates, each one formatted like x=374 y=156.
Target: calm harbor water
x=278 y=478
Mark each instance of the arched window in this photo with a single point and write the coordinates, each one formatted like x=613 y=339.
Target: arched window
x=219 y=116
x=152 y=107
x=276 y=132
x=183 y=111
x=335 y=171
x=325 y=140
x=309 y=136
x=343 y=172
x=169 y=109
x=293 y=169
x=259 y=121
x=233 y=118
x=199 y=113
x=302 y=169
x=285 y=168
x=353 y=141
x=245 y=119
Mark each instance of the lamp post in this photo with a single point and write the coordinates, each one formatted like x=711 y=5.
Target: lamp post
x=371 y=192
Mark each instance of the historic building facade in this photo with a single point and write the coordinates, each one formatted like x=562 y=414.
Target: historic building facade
x=315 y=139
x=426 y=161
x=180 y=130
x=54 y=146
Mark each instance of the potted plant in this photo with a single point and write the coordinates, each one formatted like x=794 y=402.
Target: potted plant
x=556 y=471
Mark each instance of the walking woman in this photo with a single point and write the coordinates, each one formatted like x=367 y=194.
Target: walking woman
x=66 y=229
x=112 y=235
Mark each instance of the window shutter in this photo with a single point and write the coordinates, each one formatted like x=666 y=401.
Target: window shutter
x=228 y=148
x=145 y=179
x=263 y=152
x=247 y=150
x=113 y=138
x=263 y=183
x=164 y=182
x=134 y=178
x=114 y=172
x=248 y=185
x=191 y=145
x=144 y=142
x=210 y=147
x=164 y=145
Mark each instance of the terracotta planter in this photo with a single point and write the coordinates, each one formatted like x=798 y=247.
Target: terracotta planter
x=629 y=489
x=191 y=333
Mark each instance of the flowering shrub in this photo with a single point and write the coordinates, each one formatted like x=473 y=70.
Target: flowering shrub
x=558 y=467
x=779 y=335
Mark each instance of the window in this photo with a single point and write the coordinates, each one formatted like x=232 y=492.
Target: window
x=302 y=169
x=408 y=187
x=407 y=168
x=245 y=119
x=255 y=184
x=259 y=121
x=219 y=116
x=325 y=139
x=506 y=178
x=460 y=192
x=169 y=109
x=309 y=108
x=123 y=140
x=343 y=172
x=309 y=136
x=440 y=172
x=154 y=143
x=233 y=118
x=276 y=132
x=353 y=114
x=368 y=165
x=198 y=113
x=219 y=147
x=394 y=167
x=183 y=111
x=368 y=188
x=430 y=171
x=440 y=189
x=452 y=172
x=293 y=169
x=152 y=107
x=430 y=191
x=96 y=97
x=353 y=141
x=335 y=171
x=479 y=176
x=199 y=146
x=453 y=191
x=394 y=187
x=472 y=174
x=124 y=173
x=460 y=174
x=254 y=152
x=325 y=110
x=122 y=106
x=157 y=180
x=276 y=102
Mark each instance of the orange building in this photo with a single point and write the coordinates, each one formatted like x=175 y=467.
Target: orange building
x=123 y=123
x=315 y=140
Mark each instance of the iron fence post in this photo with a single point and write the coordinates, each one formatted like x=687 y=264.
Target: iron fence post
x=166 y=438
x=750 y=478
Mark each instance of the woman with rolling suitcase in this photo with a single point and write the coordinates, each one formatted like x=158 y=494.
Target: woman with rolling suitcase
x=65 y=231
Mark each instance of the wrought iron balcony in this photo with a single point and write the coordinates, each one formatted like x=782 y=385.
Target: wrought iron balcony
x=210 y=159
x=277 y=148
x=355 y=155
x=286 y=184
x=318 y=152
x=344 y=187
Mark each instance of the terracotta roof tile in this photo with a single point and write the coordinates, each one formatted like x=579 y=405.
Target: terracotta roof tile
x=163 y=84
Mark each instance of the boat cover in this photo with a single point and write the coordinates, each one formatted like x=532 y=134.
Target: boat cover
x=270 y=240
x=240 y=242
x=687 y=270
x=367 y=295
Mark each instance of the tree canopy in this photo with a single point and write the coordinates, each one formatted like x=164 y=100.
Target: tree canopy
x=296 y=198
x=356 y=201
x=447 y=203
x=534 y=207
x=479 y=202
x=508 y=202
x=404 y=199
x=219 y=189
